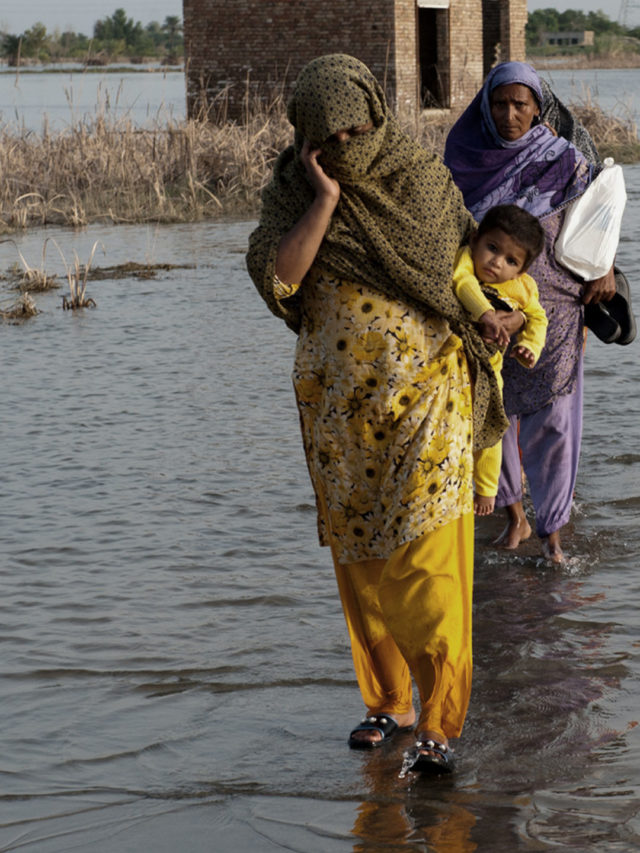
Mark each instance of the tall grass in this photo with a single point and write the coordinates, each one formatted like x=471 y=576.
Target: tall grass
x=105 y=168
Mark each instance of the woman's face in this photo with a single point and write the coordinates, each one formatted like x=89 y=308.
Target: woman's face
x=512 y=109
x=349 y=132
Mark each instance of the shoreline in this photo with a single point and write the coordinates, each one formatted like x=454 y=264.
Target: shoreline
x=583 y=63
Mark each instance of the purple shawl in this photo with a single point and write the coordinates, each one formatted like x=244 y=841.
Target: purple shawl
x=539 y=172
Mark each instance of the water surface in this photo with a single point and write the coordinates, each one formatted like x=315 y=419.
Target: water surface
x=175 y=666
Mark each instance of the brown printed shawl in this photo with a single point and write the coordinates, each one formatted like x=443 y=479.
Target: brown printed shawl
x=399 y=222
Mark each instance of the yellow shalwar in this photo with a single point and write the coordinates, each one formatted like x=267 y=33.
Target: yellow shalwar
x=384 y=398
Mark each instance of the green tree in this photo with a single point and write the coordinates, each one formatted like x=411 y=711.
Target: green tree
x=173 y=28
x=35 y=43
x=119 y=28
x=552 y=21
x=10 y=48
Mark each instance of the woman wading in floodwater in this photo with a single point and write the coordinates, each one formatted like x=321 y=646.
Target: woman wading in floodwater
x=501 y=152
x=355 y=250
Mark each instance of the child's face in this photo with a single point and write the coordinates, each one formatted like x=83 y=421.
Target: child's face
x=497 y=257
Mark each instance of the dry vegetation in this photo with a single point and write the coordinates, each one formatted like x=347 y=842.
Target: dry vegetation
x=20 y=310
x=106 y=169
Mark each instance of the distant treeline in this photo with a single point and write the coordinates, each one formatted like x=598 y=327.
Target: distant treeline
x=119 y=37
x=609 y=36
x=114 y=38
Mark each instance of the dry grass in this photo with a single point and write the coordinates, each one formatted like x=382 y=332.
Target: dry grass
x=31 y=279
x=614 y=136
x=77 y=276
x=107 y=169
x=21 y=310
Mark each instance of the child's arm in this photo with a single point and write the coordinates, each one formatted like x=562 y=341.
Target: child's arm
x=530 y=340
x=467 y=288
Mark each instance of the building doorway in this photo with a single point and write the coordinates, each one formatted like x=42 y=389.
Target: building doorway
x=433 y=53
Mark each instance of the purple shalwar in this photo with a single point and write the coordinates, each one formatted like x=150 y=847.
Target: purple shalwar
x=549 y=441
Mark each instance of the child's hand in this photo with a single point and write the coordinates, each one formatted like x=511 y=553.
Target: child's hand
x=492 y=329
x=524 y=355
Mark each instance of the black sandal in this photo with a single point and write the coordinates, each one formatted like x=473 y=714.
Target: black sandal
x=440 y=761
x=382 y=723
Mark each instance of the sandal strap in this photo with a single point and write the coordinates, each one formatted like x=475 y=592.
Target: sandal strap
x=433 y=745
x=383 y=723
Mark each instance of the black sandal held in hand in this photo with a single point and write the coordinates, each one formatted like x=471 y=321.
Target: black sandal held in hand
x=440 y=760
x=382 y=723
x=613 y=321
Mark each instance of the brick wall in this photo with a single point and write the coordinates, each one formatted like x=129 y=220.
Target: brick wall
x=503 y=35
x=254 y=48
x=465 y=22
x=260 y=45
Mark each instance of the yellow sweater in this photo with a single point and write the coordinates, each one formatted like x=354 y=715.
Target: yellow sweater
x=520 y=293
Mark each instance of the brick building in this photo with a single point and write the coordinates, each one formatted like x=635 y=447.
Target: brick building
x=429 y=53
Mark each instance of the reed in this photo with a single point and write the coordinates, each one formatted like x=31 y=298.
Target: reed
x=77 y=276
x=615 y=136
x=104 y=168
x=28 y=278
x=20 y=310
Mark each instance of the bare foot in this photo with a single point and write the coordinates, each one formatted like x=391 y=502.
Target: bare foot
x=552 y=550
x=483 y=505
x=517 y=530
x=404 y=721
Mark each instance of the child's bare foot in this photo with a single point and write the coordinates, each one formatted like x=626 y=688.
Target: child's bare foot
x=483 y=505
x=552 y=550
x=517 y=530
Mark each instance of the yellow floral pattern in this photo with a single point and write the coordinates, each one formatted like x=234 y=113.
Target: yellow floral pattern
x=385 y=405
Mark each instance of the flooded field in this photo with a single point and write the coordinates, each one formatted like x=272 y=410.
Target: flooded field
x=175 y=664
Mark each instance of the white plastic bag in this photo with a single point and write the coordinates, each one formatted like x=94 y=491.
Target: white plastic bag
x=589 y=237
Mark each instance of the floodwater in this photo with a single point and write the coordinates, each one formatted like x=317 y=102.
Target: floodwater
x=613 y=89
x=32 y=100
x=175 y=668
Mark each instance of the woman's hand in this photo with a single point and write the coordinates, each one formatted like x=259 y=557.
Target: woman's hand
x=298 y=248
x=512 y=321
x=492 y=329
x=324 y=186
x=600 y=289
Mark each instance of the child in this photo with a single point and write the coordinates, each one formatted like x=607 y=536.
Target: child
x=491 y=271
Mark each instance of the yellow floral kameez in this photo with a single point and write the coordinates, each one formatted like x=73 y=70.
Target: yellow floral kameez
x=385 y=406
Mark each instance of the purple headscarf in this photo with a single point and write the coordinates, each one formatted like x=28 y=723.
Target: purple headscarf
x=537 y=172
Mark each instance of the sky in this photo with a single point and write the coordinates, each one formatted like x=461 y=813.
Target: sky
x=16 y=16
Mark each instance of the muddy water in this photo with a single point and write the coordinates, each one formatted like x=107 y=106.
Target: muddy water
x=175 y=668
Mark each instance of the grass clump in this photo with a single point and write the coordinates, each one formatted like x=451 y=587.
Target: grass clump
x=28 y=278
x=614 y=136
x=108 y=169
x=77 y=276
x=20 y=310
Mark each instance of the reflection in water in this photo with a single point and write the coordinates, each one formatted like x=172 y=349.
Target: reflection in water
x=424 y=812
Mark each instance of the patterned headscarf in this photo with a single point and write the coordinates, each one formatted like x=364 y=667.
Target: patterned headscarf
x=399 y=222
x=539 y=171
